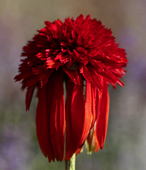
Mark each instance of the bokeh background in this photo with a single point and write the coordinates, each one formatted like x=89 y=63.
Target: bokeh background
x=125 y=146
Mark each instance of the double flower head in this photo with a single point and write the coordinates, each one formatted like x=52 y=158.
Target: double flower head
x=71 y=64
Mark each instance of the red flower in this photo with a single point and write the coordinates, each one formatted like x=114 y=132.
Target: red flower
x=71 y=64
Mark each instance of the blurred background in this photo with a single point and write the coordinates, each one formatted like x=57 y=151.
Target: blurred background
x=125 y=146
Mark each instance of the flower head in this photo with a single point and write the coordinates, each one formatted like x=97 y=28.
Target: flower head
x=71 y=64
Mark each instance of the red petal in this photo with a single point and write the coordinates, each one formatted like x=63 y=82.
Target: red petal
x=91 y=75
x=73 y=75
x=102 y=115
x=57 y=114
x=29 y=94
x=42 y=124
x=90 y=103
x=91 y=108
x=78 y=121
x=32 y=81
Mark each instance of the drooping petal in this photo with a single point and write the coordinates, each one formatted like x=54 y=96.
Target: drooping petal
x=42 y=124
x=74 y=75
x=102 y=115
x=29 y=94
x=90 y=102
x=91 y=108
x=56 y=108
x=78 y=121
x=97 y=135
x=91 y=75
x=32 y=81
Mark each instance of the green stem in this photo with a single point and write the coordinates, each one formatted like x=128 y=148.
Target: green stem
x=70 y=164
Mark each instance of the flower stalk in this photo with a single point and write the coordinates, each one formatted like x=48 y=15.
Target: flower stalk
x=70 y=164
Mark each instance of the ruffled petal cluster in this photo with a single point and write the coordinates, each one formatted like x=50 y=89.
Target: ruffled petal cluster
x=71 y=64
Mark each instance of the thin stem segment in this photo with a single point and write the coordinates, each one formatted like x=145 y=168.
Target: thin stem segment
x=70 y=164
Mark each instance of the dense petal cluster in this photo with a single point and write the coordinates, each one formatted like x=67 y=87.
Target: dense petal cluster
x=71 y=64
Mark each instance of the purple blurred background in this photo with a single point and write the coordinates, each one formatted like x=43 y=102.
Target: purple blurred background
x=126 y=140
